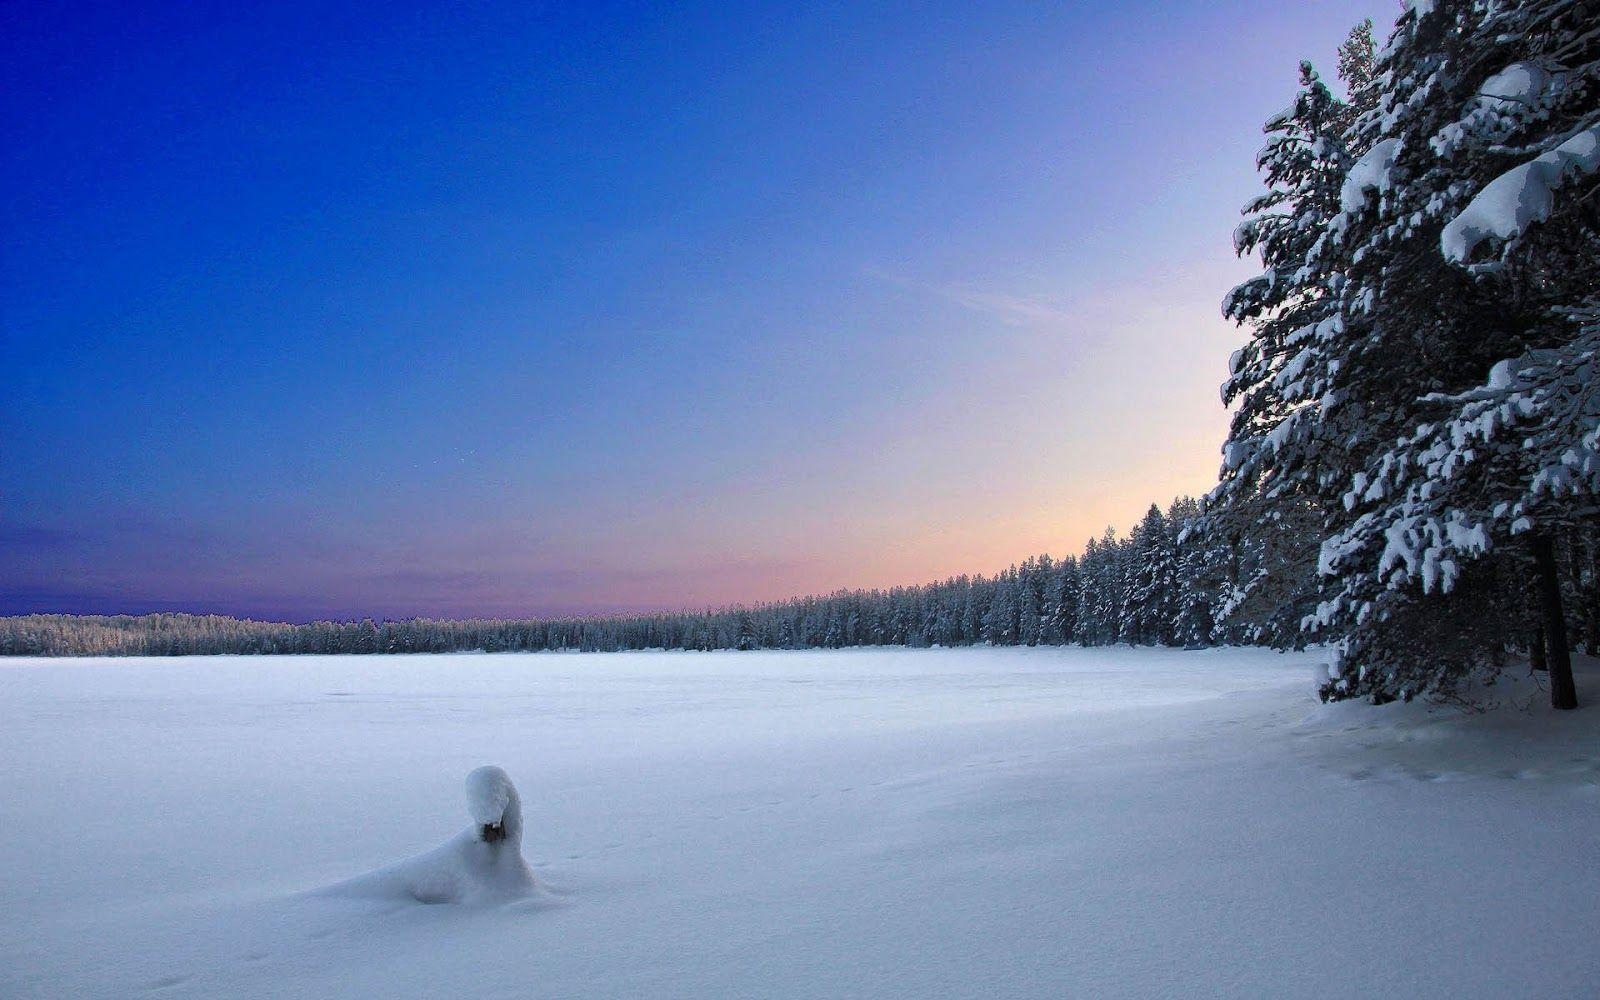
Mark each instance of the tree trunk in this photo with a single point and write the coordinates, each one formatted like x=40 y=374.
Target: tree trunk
x=1591 y=596
x=1536 y=660
x=1563 y=693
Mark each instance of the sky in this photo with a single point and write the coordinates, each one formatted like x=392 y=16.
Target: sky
x=499 y=309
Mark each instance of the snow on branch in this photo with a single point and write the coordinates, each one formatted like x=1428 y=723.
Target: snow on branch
x=1521 y=197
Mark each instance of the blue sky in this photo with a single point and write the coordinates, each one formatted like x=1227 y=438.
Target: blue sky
x=520 y=309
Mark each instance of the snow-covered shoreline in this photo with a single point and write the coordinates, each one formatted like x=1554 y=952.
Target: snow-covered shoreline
x=920 y=823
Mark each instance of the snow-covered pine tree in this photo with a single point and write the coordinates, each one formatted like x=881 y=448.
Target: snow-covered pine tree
x=1031 y=600
x=745 y=636
x=1480 y=256
x=1000 y=621
x=1070 y=587
x=1199 y=581
x=1051 y=616
x=1100 y=598
x=1276 y=462
x=1304 y=164
x=1152 y=578
x=1358 y=71
x=1273 y=575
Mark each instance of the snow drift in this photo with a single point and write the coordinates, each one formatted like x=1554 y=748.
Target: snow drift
x=482 y=864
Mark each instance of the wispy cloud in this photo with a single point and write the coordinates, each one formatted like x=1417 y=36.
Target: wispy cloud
x=1010 y=308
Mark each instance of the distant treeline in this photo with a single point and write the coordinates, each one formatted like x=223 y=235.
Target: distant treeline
x=1167 y=583
x=1155 y=586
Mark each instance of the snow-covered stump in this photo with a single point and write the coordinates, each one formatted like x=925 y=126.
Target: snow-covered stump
x=495 y=806
x=482 y=864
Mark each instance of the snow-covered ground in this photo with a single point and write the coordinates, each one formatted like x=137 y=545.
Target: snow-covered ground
x=864 y=823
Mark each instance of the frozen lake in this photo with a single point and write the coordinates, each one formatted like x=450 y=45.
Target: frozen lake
x=858 y=823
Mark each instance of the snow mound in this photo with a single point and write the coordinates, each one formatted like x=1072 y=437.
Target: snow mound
x=1520 y=197
x=1371 y=172
x=1519 y=83
x=492 y=802
x=482 y=864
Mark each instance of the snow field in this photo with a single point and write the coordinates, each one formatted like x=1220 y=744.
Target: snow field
x=891 y=823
